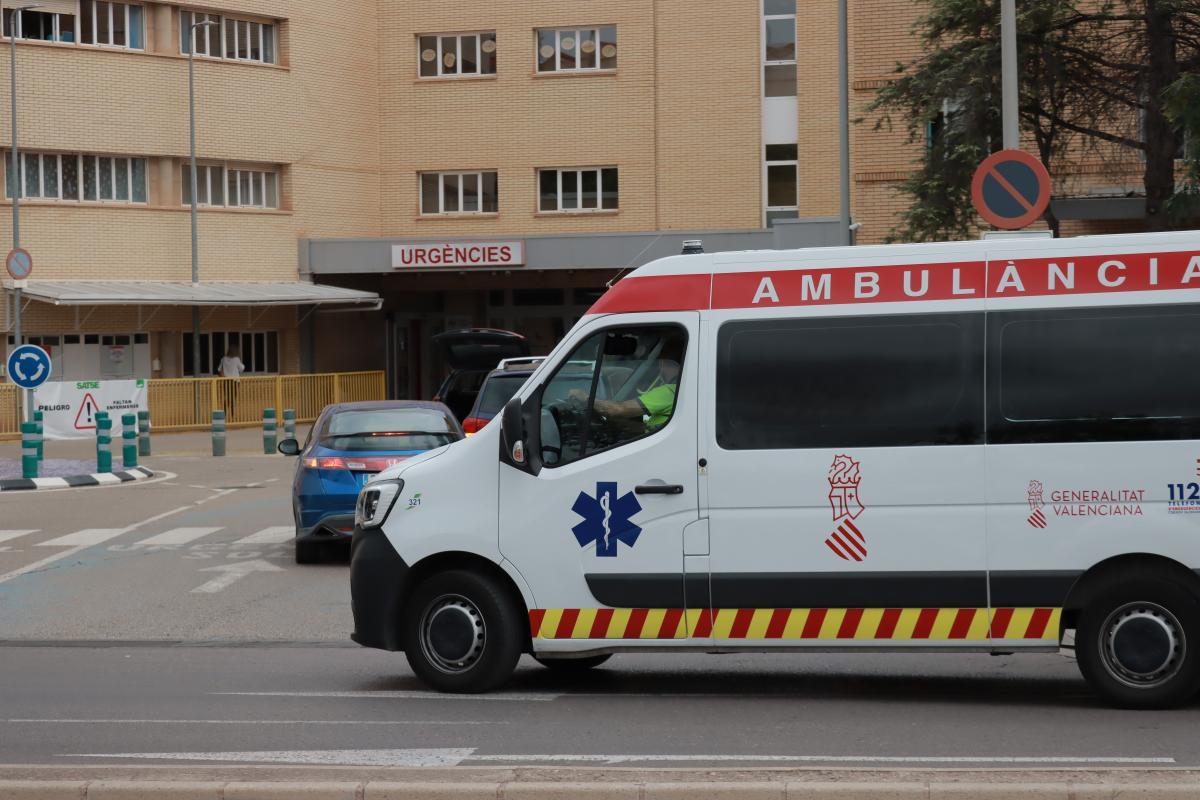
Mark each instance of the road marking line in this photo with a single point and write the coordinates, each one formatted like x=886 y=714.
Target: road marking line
x=803 y=759
x=176 y=536
x=254 y=722
x=37 y=565
x=273 y=535
x=231 y=573
x=428 y=757
x=84 y=538
x=405 y=695
x=8 y=535
x=450 y=757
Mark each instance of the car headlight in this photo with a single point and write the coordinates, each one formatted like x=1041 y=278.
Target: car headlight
x=375 y=502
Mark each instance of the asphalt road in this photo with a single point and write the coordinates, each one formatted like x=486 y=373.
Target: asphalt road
x=166 y=623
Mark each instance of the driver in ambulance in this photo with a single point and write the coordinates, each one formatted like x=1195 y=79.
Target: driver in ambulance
x=655 y=404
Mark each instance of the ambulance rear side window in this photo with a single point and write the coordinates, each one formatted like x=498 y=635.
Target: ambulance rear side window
x=850 y=382
x=1094 y=375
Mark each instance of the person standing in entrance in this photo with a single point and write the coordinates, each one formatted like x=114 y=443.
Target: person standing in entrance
x=231 y=367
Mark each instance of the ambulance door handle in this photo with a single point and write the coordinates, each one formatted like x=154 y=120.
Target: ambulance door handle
x=658 y=488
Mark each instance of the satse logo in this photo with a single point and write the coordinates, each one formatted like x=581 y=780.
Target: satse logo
x=846 y=541
x=606 y=519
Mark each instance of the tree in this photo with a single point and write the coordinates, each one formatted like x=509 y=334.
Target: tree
x=1096 y=77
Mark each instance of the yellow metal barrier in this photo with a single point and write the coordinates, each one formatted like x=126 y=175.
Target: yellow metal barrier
x=10 y=411
x=180 y=404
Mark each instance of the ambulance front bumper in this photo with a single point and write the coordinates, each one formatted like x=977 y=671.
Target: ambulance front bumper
x=378 y=582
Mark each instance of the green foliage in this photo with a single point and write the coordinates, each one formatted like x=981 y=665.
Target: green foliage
x=1087 y=72
x=1182 y=108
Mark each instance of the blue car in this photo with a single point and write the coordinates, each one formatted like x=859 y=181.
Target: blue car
x=347 y=445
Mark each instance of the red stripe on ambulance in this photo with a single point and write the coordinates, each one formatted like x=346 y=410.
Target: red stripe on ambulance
x=966 y=280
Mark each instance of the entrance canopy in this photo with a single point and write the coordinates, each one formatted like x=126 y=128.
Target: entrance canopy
x=180 y=293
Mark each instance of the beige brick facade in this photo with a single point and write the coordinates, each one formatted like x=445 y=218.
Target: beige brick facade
x=347 y=126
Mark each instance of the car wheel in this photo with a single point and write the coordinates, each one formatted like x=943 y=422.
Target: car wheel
x=308 y=551
x=463 y=632
x=1138 y=643
x=572 y=665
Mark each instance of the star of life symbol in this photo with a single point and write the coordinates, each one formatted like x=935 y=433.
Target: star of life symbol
x=846 y=540
x=606 y=519
x=1037 y=517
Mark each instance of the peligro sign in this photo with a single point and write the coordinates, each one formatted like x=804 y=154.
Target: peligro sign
x=458 y=254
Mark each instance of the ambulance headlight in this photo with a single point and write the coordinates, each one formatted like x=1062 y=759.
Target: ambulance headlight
x=375 y=502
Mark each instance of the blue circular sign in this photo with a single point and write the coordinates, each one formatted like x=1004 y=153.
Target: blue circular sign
x=28 y=366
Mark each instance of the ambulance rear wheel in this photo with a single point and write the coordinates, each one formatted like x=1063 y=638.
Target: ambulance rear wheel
x=462 y=632
x=1138 y=643
x=572 y=665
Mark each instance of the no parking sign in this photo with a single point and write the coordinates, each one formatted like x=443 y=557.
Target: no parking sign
x=1010 y=189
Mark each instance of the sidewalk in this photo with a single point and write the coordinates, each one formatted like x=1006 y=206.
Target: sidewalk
x=238 y=442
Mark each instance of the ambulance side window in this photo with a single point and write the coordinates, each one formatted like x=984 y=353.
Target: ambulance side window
x=617 y=386
x=888 y=381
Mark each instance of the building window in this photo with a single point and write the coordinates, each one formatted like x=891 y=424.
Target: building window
x=576 y=49
x=782 y=170
x=111 y=24
x=41 y=25
x=779 y=48
x=458 y=54
x=220 y=185
x=259 y=351
x=589 y=189
x=72 y=177
x=459 y=193
x=234 y=39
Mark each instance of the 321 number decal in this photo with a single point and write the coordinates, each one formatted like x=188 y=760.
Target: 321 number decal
x=1179 y=491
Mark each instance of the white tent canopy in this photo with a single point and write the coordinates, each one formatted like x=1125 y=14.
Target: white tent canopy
x=179 y=293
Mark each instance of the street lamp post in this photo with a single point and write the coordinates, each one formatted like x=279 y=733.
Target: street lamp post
x=16 y=175
x=192 y=137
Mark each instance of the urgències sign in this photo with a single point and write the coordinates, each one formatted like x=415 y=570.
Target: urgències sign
x=458 y=254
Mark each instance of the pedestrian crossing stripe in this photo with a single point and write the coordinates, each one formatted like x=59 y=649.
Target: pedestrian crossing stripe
x=819 y=624
x=90 y=537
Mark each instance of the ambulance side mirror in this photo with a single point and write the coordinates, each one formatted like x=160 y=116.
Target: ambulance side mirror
x=512 y=428
x=520 y=439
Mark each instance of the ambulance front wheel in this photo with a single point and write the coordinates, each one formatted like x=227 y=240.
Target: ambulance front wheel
x=572 y=665
x=1138 y=643
x=462 y=632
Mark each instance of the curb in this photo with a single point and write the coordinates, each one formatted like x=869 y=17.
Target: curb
x=71 y=481
x=590 y=790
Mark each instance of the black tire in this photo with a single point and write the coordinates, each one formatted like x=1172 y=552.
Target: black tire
x=569 y=666
x=1138 y=642
x=463 y=632
x=308 y=552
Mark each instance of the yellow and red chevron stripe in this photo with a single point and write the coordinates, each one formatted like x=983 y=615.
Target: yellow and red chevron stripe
x=871 y=624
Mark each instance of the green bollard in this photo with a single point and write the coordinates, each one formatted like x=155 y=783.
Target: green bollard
x=29 y=459
x=218 y=433
x=143 y=418
x=40 y=436
x=270 y=434
x=100 y=415
x=289 y=423
x=129 y=441
x=103 y=444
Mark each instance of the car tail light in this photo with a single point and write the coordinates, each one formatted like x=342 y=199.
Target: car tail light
x=325 y=463
x=378 y=464
x=472 y=425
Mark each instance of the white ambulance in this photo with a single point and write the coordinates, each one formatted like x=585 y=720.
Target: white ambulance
x=973 y=446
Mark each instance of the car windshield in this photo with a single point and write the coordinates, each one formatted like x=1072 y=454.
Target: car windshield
x=384 y=429
x=498 y=390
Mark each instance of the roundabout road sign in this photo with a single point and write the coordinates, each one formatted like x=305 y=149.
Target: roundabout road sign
x=28 y=366
x=1010 y=189
x=19 y=263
